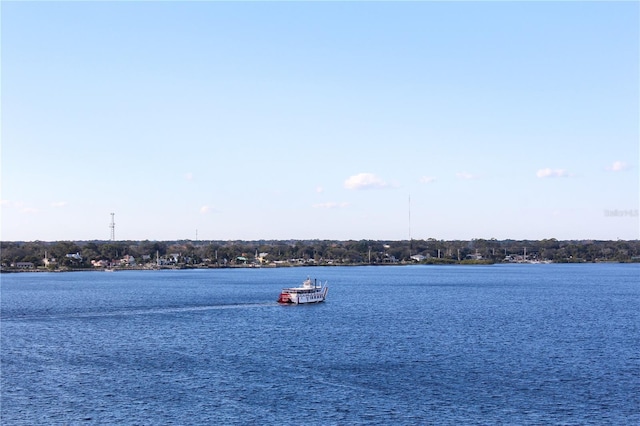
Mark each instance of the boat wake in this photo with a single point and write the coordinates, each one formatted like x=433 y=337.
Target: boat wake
x=139 y=312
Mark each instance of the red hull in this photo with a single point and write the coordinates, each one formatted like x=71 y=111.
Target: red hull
x=284 y=298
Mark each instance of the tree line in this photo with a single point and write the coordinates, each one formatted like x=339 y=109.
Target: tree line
x=230 y=253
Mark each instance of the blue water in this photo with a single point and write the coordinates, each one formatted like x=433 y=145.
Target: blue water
x=503 y=344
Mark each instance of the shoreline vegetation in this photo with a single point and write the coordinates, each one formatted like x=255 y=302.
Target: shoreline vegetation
x=62 y=256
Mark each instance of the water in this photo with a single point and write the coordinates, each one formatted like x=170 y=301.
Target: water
x=503 y=344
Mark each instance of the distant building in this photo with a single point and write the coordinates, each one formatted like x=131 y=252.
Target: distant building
x=74 y=256
x=418 y=257
x=389 y=259
x=48 y=261
x=100 y=263
x=23 y=265
x=128 y=260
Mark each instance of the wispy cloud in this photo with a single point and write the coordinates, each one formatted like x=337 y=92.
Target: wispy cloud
x=330 y=205
x=188 y=176
x=19 y=205
x=552 y=173
x=364 y=181
x=207 y=209
x=319 y=190
x=58 y=204
x=466 y=176
x=427 y=179
x=618 y=166
x=12 y=204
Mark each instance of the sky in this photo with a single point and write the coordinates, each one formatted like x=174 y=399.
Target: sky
x=320 y=120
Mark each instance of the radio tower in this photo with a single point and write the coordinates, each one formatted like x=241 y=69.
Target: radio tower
x=113 y=227
x=410 y=240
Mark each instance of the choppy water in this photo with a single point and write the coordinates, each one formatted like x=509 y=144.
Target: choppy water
x=503 y=344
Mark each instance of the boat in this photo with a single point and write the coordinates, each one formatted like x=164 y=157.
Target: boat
x=309 y=292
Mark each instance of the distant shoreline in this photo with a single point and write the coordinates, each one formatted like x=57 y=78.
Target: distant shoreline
x=195 y=268
x=174 y=255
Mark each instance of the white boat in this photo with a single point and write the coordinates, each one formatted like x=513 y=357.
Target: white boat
x=309 y=292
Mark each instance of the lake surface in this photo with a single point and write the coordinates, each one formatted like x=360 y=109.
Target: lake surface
x=501 y=344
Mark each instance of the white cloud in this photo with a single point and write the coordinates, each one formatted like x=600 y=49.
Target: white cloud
x=19 y=205
x=364 y=181
x=546 y=173
x=188 y=176
x=319 y=190
x=466 y=176
x=618 y=166
x=59 y=204
x=207 y=209
x=12 y=204
x=427 y=179
x=330 y=205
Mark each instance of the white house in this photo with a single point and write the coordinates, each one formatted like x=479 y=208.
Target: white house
x=74 y=256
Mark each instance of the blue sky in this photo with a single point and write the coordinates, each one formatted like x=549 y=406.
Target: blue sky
x=298 y=120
